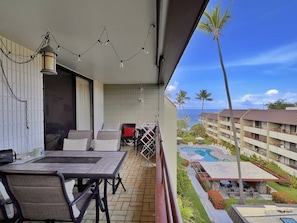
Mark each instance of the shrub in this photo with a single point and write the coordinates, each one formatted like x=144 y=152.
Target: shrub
x=183 y=181
x=280 y=197
x=216 y=199
x=293 y=182
x=186 y=162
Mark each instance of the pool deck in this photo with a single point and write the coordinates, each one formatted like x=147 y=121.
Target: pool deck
x=216 y=152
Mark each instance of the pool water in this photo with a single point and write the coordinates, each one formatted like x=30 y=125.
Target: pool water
x=202 y=152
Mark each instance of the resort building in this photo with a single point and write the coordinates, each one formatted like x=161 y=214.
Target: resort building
x=270 y=134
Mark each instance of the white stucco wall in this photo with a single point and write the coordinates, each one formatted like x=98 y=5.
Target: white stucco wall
x=169 y=138
x=26 y=82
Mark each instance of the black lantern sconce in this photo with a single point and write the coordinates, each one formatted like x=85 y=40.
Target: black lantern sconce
x=48 y=59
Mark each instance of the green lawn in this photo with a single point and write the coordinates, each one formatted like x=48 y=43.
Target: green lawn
x=192 y=196
x=287 y=190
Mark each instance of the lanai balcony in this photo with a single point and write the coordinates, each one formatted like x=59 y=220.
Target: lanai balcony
x=105 y=43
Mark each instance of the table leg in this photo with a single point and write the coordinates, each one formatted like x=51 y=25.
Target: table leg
x=98 y=201
x=104 y=199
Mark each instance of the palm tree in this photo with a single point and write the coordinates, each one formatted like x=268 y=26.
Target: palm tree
x=180 y=99
x=214 y=24
x=203 y=96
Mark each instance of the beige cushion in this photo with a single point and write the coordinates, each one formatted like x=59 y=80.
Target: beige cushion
x=8 y=207
x=69 y=190
x=109 y=135
x=81 y=134
x=75 y=144
x=105 y=145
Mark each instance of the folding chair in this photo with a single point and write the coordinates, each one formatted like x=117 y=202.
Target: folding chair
x=46 y=196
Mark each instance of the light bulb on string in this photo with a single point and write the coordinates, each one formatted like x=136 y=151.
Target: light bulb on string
x=79 y=58
x=122 y=64
x=58 y=49
x=145 y=51
x=106 y=43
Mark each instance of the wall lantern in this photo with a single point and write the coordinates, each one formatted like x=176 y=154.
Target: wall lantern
x=48 y=60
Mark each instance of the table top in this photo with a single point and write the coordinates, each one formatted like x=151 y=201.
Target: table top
x=76 y=164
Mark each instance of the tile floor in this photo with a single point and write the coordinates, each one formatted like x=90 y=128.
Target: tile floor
x=137 y=204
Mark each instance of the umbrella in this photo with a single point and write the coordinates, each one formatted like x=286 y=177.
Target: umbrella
x=196 y=157
x=199 y=138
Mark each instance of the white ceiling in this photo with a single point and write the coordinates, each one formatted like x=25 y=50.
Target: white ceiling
x=76 y=25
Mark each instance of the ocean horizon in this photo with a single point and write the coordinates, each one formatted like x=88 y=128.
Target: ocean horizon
x=193 y=114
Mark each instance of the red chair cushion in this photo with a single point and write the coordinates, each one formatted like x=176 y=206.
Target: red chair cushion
x=128 y=132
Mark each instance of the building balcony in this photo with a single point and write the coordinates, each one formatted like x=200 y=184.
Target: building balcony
x=255 y=142
x=289 y=137
x=255 y=130
x=284 y=152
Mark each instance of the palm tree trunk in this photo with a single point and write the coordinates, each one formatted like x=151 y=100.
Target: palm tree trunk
x=241 y=200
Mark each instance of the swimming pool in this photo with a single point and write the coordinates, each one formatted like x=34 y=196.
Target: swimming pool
x=202 y=152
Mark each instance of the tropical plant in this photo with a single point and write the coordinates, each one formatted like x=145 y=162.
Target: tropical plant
x=182 y=124
x=203 y=96
x=279 y=104
x=199 y=130
x=214 y=24
x=180 y=99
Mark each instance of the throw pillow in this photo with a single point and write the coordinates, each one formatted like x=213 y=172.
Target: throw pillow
x=128 y=132
x=106 y=145
x=75 y=144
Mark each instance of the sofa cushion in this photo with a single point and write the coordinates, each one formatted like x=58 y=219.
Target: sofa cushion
x=75 y=144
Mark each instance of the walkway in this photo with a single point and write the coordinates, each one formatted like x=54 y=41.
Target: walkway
x=216 y=216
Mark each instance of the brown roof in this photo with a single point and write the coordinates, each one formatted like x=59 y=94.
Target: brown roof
x=236 y=113
x=213 y=116
x=210 y=115
x=288 y=117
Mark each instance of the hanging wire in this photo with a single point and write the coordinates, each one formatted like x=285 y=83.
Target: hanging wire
x=14 y=95
x=9 y=55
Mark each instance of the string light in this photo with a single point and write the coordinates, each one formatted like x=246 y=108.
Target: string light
x=21 y=59
x=104 y=41
x=121 y=64
x=145 y=51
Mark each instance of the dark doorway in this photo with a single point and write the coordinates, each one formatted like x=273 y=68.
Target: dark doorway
x=59 y=107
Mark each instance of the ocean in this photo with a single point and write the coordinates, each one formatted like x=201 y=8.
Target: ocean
x=193 y=114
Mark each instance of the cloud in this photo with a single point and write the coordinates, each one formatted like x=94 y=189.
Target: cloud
x=259 y=100
x=271 y=92
x=280 y=55
x=172 y=87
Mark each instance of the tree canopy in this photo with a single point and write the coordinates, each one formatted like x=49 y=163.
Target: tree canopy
x=280 y=104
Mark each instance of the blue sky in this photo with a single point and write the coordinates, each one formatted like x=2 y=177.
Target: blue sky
x=259 y=47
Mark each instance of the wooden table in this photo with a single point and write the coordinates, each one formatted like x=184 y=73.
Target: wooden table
x=98 y=165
